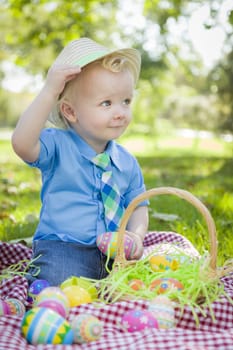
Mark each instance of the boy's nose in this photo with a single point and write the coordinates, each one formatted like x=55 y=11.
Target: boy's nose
x=119 y=113
x=119 y=116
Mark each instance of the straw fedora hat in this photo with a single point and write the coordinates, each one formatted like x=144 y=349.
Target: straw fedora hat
x=83 y=51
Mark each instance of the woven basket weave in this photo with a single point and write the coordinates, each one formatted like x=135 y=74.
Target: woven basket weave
x=120 y=260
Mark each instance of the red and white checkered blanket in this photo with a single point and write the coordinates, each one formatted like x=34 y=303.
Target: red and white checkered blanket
x=186 y=335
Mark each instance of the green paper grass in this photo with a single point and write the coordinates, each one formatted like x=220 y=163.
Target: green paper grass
x=19 y=269
x=201 y=286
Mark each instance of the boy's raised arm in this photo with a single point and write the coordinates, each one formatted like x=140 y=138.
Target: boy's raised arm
x=25 y=138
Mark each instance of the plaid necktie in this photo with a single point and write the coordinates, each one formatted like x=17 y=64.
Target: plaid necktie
x=110 y=193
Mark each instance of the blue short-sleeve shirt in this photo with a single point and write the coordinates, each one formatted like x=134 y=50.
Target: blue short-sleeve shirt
x=72 y=208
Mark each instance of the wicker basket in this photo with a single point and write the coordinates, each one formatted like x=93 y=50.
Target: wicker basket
x=115 y=287
x=120 y=260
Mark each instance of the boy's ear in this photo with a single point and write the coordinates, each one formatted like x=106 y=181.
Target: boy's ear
x=68 y=111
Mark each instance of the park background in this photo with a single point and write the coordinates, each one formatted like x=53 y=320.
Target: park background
x=182 y=129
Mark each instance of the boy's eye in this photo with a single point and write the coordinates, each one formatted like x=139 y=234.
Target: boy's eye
x=127 y=101
x=106 y=103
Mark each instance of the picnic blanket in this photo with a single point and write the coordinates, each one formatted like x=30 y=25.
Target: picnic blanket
x=210 y=334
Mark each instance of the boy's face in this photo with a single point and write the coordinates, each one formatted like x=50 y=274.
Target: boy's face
x=101 y=102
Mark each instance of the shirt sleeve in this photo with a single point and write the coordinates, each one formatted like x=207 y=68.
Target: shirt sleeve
x=136 y=186
x=47 y=150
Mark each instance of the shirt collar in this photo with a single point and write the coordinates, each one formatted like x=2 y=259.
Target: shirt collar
x=88 y=152
x=113 y=152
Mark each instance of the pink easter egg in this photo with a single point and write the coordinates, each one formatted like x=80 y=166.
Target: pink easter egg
x=54 y=305
x=107 y=244
x=137 y=320
x=53 y=298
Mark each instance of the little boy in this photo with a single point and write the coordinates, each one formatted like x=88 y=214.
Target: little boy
x=87 y=95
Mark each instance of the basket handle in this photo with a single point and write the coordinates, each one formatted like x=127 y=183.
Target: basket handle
x=120 y=255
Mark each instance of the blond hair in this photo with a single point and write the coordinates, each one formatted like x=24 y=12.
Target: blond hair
x=116 y=62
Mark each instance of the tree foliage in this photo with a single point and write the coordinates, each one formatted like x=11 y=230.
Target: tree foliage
x=212 y=104
x=221 y=81
x=34 y=32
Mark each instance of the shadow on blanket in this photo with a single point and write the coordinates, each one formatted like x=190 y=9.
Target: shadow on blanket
x=211 y=334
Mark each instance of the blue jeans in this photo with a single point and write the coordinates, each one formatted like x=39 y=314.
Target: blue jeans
x=57 y=260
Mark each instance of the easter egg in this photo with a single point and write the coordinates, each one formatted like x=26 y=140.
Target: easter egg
x=162 y=285
x=35 y=288
x=54 y=305
x=86 y=328
x=161 y=263
x=44 y=326
x=4 y=308
x=162 y=309
x=53 y=298
x=77 y=295
x=136 y=284
x=107 y=244
x=81 y=282
x=137 y=320
x=11 y=306
x=16 y=306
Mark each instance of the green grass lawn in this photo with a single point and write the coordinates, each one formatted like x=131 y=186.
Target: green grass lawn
x=204 y=170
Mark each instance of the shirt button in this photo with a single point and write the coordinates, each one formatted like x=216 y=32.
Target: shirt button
x=99 y=196
x=99 y=175
x=102 y=216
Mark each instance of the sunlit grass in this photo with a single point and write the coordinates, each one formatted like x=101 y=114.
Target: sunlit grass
x=146 y=145
x=203 y=168
x=19 y=195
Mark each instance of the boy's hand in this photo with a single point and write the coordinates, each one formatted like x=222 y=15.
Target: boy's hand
x=58 y=76
x=139 y=245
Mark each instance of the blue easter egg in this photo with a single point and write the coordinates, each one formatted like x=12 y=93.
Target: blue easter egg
x=35 y=288
x=44 y=326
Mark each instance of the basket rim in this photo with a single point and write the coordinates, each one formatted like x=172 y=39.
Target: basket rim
x=183 y=194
